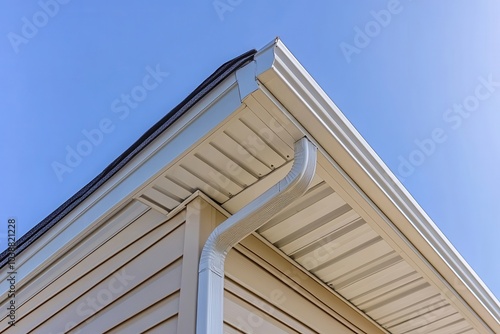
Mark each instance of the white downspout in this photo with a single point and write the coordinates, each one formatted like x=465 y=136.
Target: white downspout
x=238 y=226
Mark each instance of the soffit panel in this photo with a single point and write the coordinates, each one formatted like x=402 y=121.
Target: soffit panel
x=243 y=151
x=320 y=232
x=325 y=236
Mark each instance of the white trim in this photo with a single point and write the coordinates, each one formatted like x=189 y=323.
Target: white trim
x=192 y=197
x=247 y=80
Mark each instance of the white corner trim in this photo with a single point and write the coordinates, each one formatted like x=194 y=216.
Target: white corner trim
x=192 y=197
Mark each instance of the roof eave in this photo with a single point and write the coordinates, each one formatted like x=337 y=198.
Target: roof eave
x=283 y=77
x=116 y=186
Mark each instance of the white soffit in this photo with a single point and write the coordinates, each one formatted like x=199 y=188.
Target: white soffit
x=321 y=232
x=342 y=230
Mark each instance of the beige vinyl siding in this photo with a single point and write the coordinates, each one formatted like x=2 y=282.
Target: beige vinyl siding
x=264 y=293
x=128 y=284
x=138 y=273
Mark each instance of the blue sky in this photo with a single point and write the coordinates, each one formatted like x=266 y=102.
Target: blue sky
x=420 y=80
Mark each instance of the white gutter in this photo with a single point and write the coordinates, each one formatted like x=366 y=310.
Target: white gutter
x=238 y=226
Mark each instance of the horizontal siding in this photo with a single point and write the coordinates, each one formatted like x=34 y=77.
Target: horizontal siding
x=168 y=326
x=151 y=317
x=163 y=284
x=116 y=286
x=254 y=316
x=257 y=301
x=26 y=291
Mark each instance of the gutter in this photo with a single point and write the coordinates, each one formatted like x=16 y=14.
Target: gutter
x=209 y=316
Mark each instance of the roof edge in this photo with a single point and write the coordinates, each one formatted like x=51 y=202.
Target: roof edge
x=284 y=64
x=196 y=95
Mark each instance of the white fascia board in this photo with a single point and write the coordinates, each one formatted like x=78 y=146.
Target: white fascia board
x=285 y=78
x=197 y=123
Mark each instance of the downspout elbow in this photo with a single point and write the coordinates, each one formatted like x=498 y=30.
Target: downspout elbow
x=241 y=224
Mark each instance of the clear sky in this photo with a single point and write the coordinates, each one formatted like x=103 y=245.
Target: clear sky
x=420 y=80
